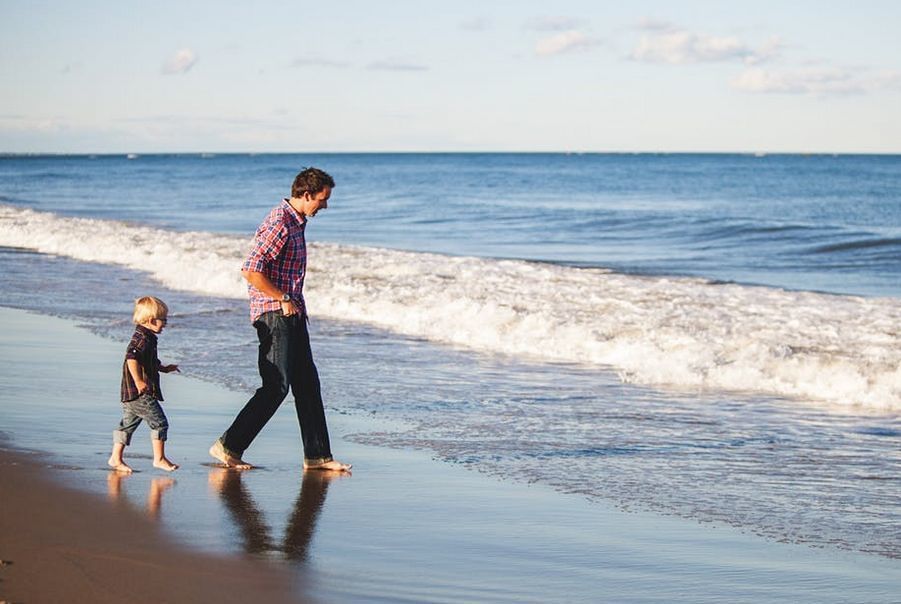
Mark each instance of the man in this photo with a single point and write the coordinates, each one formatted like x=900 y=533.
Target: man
x=275 y=270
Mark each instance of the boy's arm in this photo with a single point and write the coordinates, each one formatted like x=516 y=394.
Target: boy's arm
x=137 y=374
x=166 y=368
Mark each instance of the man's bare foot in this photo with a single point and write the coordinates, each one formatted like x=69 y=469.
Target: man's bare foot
x=119 y=466
x=328 y=466
x=219 y=477
x=229 y=461
x=165 y=464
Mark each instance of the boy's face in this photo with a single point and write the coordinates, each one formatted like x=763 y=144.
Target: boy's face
x=156 y=325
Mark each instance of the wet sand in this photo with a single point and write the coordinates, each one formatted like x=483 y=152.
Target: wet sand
x=403 y=527
x=62 y=545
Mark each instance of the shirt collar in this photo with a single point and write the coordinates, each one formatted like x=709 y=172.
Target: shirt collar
x=301 y=219
x=148 y=333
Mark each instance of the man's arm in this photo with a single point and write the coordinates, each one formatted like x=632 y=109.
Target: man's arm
x=265 y=285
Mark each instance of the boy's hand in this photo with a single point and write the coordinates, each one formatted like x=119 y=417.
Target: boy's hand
x=170 y=368
x=141 y=385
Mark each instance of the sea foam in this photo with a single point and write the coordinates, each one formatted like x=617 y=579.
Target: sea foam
x=665 y=332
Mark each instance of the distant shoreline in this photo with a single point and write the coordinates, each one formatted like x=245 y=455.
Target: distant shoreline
x=207 y=154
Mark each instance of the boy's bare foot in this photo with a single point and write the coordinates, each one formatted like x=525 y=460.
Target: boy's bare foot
x=165 y=464
x=229 y=461
x=158 y=486
x=119 y=466
x=328 y=466
x=114 y=484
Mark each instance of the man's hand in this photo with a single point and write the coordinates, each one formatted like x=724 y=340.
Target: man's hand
x=289 y=309
x=262 y=283
x=169 y=368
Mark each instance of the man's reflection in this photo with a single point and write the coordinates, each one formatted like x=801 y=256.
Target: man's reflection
x=302 y=524
x=250 y=521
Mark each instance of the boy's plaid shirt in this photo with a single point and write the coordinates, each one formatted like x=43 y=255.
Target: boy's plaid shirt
x=143 y=349
x=280 y=252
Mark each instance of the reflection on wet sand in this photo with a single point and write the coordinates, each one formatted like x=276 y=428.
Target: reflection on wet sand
x=115 y=482
x=251 y=523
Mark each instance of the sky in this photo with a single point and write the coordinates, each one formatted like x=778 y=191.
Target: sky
x=402 y=75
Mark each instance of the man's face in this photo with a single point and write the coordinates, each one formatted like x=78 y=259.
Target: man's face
x=313 y=202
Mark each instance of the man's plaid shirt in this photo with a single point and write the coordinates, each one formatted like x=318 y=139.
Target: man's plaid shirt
x=280 y=252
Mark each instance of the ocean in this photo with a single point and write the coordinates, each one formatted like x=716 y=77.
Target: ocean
x=715 y=337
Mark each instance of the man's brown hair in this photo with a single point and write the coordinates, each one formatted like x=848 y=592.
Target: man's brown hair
x=312 y=181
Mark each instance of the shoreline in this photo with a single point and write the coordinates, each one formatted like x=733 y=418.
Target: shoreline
x=753 y=153
x=404 y=527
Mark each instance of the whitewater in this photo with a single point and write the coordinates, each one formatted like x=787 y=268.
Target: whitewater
x=835 y=351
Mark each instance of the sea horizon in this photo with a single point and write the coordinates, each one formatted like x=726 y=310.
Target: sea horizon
x=749 y=152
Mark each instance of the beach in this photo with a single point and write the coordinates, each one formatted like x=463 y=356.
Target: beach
x=583 y=335
x=63 y=545
x=402 y=527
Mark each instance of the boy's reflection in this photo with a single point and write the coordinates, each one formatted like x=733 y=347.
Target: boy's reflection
x=250 y=521
x=158 y=486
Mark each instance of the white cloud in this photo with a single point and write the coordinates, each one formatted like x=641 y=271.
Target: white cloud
x=770 y=50
x=669 y=44
x=567 y=41
x=887 y=79
x=766 y=81
x=815 y=81
x=554 y=23
x=652 y=24
x=679 y=47
x=181 y=62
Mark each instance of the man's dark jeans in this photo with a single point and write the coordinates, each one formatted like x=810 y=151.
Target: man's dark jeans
x=286 y=361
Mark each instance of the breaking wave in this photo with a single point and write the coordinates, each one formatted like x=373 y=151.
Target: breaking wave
x=670 y=332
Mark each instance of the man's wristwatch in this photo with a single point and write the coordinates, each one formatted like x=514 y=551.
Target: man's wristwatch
x=286 y=298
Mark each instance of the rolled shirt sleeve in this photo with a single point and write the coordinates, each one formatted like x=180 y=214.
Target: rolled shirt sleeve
x=267 y=245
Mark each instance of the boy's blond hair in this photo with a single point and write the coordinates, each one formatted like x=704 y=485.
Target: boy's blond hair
x=149 y=307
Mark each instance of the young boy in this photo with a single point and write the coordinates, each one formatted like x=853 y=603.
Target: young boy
x=141 y=393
